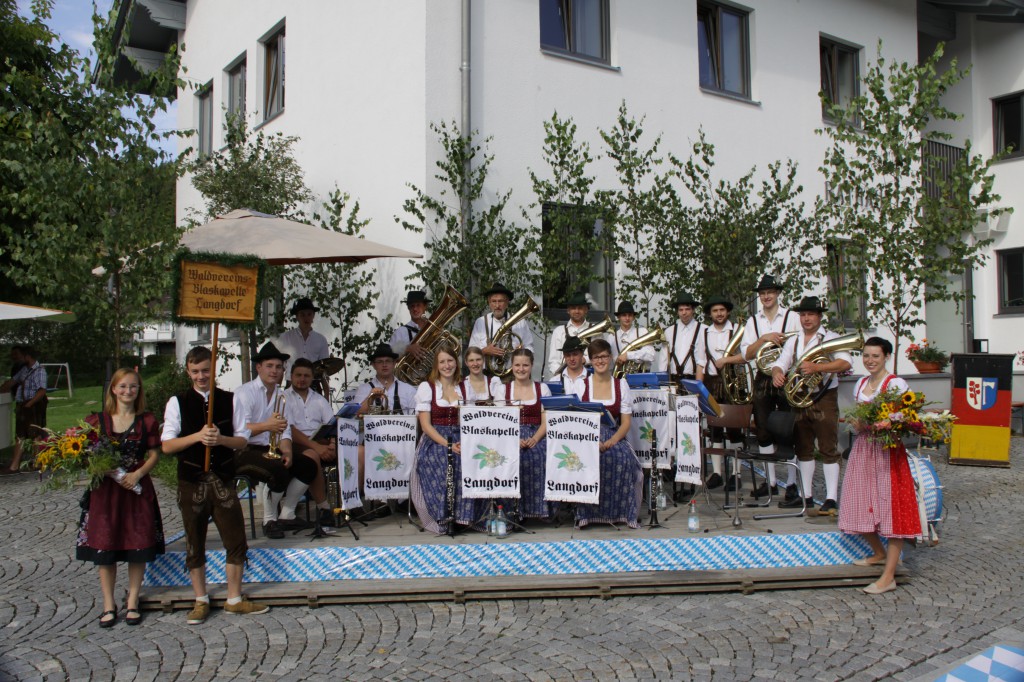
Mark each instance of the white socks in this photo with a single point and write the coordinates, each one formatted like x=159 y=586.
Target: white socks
x=770 y=466
x=791 y=476
x=292 y=495
x=270 y=502
x=832 y=481
x=716 y=460
x=807 y=478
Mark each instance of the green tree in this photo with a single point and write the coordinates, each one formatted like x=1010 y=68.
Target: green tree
x=905 y=226
x=469 y=241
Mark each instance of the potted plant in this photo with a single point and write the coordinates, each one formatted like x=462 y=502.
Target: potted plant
x=927 y=358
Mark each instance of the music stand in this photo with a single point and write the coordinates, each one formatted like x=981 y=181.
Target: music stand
x=571 y=403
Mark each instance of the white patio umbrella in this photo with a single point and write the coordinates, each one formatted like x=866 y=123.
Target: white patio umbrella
x=279 y=241
x=16 y=311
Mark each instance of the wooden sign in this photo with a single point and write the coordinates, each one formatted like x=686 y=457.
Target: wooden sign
x=215 y=291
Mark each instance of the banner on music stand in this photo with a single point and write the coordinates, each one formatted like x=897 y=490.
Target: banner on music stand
x=573 y=465
x=651 y=414
x=490 y=452
x=390 y=451
x=348 y=463
x=688 y=452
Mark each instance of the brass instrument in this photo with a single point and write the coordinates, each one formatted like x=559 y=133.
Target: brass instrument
x=508 y=340
x=432 y=338
x=656 y=335
x=769 y=353
x=737 y=380
x=584 y=336
x=803 y=390
x=278 y=412
x=378 y=405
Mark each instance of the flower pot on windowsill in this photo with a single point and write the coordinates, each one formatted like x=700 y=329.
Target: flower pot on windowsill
x=927 y=367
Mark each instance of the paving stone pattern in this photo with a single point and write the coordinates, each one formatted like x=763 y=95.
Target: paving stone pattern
x=966 y=595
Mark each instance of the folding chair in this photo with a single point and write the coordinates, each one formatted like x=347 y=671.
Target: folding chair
x=250 y=493
x=733 y=417
x=780 y=425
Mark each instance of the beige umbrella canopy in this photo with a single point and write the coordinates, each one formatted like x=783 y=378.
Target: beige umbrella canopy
x=279 y=241
x=16 y=311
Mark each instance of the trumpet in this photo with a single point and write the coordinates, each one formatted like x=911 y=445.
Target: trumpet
x=769 y=353
x=508 y=340
x=278 y=412
x=803 y=390
x=378 y=405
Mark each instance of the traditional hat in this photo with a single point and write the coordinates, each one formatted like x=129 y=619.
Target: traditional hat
x=625 y=307
x=304 y=304
x=498 y=288
x=383 y=350
x=416 y=296
x=717 y=300
x=767 y=283
x=572 y=344
x=809 y=304
x=685 y=298
x=579 y=298
x=270 y=352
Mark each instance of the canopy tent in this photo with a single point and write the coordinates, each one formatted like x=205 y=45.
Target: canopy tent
x=16 y=311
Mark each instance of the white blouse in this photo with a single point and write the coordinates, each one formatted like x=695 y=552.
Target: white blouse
x=423 y=397
x=626 y=403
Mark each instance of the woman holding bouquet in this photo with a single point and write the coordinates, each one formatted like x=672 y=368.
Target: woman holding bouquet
x=878 y=490
x=121 y=518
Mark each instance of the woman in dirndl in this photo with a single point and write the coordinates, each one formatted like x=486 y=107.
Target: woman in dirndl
x=476 y=387
x=437 y=404
x=526 y=393
x=878 y=490
x=622 y=477
x=118 y=523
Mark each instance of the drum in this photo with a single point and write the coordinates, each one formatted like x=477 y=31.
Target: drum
x=926 y=480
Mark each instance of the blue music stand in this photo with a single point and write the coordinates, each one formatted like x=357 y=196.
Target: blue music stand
x=556 y=387
x=572 y=403
x=348 y=410
x=645 y=380
x=708 y=405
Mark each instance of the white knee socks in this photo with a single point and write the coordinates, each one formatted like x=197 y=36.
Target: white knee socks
x=831 y=481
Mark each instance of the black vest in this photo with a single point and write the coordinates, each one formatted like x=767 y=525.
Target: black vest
x=193 y=418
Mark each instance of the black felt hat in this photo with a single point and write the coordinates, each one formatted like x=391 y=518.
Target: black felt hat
x=717 y=300
x=809 y=304
x=579 y=298
x=270 y=352
x=498 y=288
x=685 y=298
x=416 y=296
x=383 y=350
x=767 y=283
x=571 y=345
x=625 y=308
x=304 y=304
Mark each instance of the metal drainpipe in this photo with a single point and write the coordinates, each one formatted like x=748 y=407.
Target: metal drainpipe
x=464 y=69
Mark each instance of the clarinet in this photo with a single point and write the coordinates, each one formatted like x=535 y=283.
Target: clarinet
x=449 y=481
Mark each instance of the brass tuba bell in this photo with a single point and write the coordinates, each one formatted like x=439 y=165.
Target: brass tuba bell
x=656 y=335
x=769 y=353
x=803 y=390
x=737 y=380
x=508 y=340
x=432 y=338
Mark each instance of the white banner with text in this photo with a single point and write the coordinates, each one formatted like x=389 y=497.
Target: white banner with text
x=573 y=467
x=390 y=444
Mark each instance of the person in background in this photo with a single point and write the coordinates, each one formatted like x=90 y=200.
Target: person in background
x=30 y=399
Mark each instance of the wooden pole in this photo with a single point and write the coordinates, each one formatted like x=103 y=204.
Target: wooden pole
x=213 y=385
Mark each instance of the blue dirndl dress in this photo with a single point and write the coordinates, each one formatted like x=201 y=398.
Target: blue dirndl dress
x=532 y=461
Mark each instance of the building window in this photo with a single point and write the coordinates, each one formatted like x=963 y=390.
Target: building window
x=723 y=44
x=204 y=104
x=840 y=75
x=1008 y=124
x=236 y=90
x=581 y=268
x=848 y=284
x=575 y=27
x=273 y=75
x=1011 y=280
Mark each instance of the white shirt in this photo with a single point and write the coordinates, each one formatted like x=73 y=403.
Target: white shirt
x=558 y=337
x=405 y=392
x=796 y=346
x=312 y=348
x=573 y=384
x=678 y=340
x=307 y=415
x=257 y=407
x=620 y=339
x=423 y=396
x=501 y=391
x=172 y=417
x=487 y=326
x=625 y=403
x=403 y=336
x=717 y=340
x=780 y=324
x=473 y=396
x=862 y=395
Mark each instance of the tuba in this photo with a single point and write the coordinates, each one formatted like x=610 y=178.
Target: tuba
x=656 y=335
x=508 y=340
x=432 y=338
x=769 y=353
x=803 y=390
x=737 y=380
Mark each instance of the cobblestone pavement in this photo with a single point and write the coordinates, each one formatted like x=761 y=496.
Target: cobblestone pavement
x=966 y=594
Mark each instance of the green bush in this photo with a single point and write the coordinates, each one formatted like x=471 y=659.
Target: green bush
x=161 y=387
x=158 y=363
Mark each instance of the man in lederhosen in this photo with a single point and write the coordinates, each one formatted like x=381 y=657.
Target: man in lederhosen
x=486 y=326
x=768 y=326
x=679 y=355
x=577 y=306
x=626 y=334
x=401 y=339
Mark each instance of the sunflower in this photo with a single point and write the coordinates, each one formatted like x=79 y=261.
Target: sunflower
x=909 y=398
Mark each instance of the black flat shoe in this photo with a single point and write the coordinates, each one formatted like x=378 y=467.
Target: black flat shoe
x=762 y=491
x=133 y=620
x=829 y=507
x=734 y=483
x=792 y=493
x=108 y=623
x=714 y=481
x=792 y=504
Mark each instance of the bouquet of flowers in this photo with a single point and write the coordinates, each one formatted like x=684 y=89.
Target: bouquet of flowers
x=924 y=352
x=938 y=426
x=892 y=415
x=79 y=450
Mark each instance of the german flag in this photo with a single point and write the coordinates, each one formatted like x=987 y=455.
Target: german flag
x=981 y=397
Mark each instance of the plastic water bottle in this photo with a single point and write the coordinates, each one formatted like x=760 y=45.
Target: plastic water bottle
x=693 y=520
x=489 y=520
x=501 y=524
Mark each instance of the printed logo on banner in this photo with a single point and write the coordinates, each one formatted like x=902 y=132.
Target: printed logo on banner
x=348 y=461
x=572 y=470
x=490 y=452
x=688 y=440
x=390 y=451
x=651 y=419
x=982 y=392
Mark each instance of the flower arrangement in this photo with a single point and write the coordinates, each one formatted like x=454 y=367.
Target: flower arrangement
x=938 y=426
x=925 y=352
x=78 y=450
x=1020 y=357
x=889 y=417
